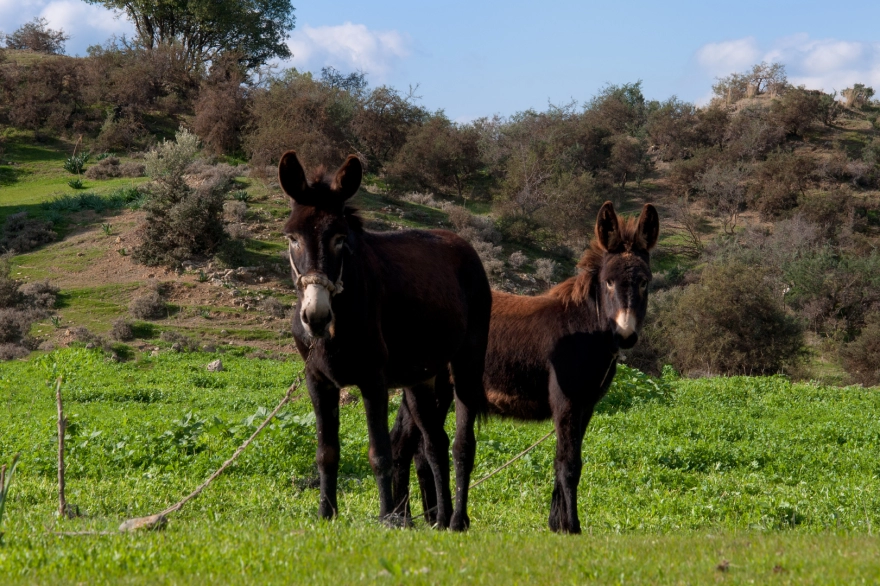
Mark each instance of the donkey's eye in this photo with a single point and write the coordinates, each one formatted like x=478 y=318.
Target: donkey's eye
x=293 y=241
x=337 y=242
x=643 y=286
x=610 y=285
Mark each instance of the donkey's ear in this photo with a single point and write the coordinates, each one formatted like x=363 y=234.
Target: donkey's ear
x=292 y=177
x=649 y=227
x=607 y=229
x=348 y=178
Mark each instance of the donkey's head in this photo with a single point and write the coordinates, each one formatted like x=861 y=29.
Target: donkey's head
x=319 y=235
x=624 y=272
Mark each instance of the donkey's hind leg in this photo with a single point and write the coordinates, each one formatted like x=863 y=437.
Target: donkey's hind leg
x=405 y=442
x=470 y=403
x=433 y=451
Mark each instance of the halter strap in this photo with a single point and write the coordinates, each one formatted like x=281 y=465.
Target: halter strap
x=315 y=278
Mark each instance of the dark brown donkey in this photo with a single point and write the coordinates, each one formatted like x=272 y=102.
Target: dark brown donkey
x=554 y=355
x=381 y=310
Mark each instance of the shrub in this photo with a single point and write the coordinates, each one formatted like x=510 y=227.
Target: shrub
x=274 y=307
x=181 y=221
x=180 y=342
x=545 y=269
x=862 y=356
x=123 y=133
x=121 y=330
x=235 y=211
x=731 y=321
x=75 y=163
x=148 y=306
x=106 y=168
x=778 y=182
x=516 y=260
x=132 y=169
x=39 y=295
x=22 y=234
x=220 y=108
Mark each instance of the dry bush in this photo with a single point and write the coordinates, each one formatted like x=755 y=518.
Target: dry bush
x=299 y=113
x=489 y=254
x=797 y=110
x=148 y=306
x=778 y=182
x=39 y=295
x=234 y=211
x=425 y=199
x=731 y=321
x=122 y=133
x=104 y=169
x=751 y=134
x=207 y=177
x=180 y=342
x=132 y=169
x=517 y=260
x=13 y=351
x=239 y=231
x=545 y=269
x=862 y=356
x=22 y=234
x=221 y=108
x=121 y=330
x=274 y=307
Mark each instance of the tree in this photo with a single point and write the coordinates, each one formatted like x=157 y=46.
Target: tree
x=858 y=95
x=37 y=36
x=724 y=186
x=439 y=154
x=762 y=79
x=254 y=29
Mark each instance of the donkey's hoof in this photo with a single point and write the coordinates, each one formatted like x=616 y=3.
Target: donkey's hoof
x=460 y=521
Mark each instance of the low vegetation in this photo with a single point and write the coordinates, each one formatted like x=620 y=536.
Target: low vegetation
x=676 y=461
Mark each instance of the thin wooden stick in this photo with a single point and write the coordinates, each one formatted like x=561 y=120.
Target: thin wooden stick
x=159 y=520
x=62 y=425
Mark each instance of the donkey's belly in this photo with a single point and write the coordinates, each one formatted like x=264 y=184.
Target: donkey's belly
x=520 y=393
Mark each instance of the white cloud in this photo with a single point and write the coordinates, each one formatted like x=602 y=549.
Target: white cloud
x=727 y=56
x=348 y=47
x=826 y=64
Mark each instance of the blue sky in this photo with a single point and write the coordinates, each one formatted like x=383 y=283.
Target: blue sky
x=481 y=58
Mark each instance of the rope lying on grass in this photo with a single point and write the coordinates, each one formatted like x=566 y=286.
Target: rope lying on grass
x=496 y=470
x=159 y=520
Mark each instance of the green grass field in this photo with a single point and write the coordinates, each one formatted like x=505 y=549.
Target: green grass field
x=740 y=480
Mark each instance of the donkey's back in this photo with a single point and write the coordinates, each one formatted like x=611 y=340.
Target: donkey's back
x=435 y=299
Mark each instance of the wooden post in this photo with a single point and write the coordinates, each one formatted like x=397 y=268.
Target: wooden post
x=62 y=425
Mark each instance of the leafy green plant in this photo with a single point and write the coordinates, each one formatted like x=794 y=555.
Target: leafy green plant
x=76 y=163
x=6 y=475
x=76 y=183
x=241 y=195
x=106 y=228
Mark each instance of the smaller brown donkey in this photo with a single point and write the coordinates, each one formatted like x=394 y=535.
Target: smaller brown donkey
x=381 y=310
x=555 y=355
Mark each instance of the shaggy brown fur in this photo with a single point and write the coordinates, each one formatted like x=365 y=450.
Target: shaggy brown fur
x=554 y=355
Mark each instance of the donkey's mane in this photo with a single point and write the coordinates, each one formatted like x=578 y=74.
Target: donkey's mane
x=577 y=289
x=322 y=180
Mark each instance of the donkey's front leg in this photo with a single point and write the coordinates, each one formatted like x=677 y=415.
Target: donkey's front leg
x=570 y=420
x=375 y=396
x=325 y=402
